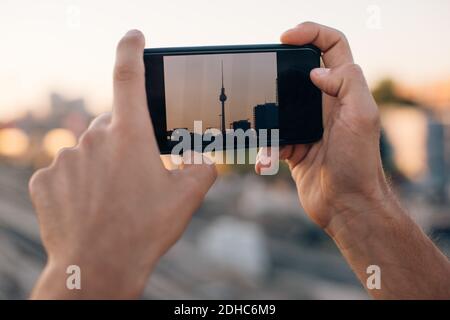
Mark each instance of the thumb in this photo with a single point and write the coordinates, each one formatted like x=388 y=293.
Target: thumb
x=200 y=170
x=341 y=81
x=348 y=85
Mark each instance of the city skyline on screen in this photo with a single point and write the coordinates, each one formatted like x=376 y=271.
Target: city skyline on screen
x=193 y=88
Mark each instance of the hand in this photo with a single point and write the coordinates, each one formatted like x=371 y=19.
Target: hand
x=342 y=187
x=108 y=205
x=345 y=166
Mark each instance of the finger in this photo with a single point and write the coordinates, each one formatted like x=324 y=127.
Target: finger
x=293 y=154
x=100 y=121
x=264 y=159
x=340 y=82
x=299 y=153
x=130 y=99
x=347 y=83
x=199 y=168
x=286 y=152
x=331 y=42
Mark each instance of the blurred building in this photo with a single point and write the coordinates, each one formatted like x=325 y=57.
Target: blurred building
x=437 y=155
x=64 y=113
x=60 y=127
x=68 y=114
x=406 y=129
x=236 y=244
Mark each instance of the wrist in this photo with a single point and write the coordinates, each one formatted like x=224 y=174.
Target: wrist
x=358 y=218
x=380 y=233
x=96 y=281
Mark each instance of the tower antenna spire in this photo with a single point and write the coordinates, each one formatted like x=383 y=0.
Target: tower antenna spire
x=222 y=99
x=222 y=74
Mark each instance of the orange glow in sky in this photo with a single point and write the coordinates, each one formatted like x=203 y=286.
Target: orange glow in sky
x=13 y=142
x=57 y=139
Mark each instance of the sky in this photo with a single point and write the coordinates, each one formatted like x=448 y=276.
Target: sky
x=193 y=83
x=68 y=46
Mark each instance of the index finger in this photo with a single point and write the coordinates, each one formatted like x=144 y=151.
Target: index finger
x=130 y=98
x=333 y=43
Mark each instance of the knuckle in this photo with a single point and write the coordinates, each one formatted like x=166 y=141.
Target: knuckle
x=369 y=118
x=126 y=131
x=65 y=155
x=38 y=180
x=101 y=121
x=91 y=137
x=120 y=130
x=353 y=70
x=373 y=117
x=123 y=138
x=124 y=72
x=337 y=35
x=341 y=35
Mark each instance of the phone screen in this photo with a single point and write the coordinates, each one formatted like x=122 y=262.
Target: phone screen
x=210 y=93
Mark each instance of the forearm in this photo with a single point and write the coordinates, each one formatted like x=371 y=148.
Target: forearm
x=411 y=265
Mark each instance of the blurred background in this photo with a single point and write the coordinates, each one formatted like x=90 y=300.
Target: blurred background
x=250 y=239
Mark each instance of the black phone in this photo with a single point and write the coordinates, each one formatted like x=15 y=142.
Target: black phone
x=215 y=92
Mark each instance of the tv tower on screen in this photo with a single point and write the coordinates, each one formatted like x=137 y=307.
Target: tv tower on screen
x=222 y=99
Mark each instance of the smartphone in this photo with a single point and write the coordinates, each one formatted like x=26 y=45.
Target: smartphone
x=215 y=92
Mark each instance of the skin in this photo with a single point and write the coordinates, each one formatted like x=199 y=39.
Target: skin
x=107 y=205
x=342 y=186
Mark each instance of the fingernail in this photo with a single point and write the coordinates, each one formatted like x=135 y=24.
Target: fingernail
x=321 y=72
x=263 y=159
